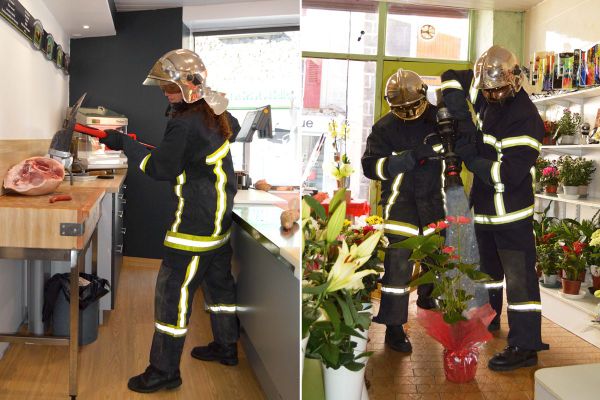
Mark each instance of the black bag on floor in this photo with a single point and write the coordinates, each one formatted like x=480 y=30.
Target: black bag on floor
x=91 y=288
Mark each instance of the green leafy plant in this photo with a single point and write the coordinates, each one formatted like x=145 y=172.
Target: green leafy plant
x=548 y=255
x=540 y=164
x=336 y=266
x=568 y=124
x=575 y=171
x=445 y=270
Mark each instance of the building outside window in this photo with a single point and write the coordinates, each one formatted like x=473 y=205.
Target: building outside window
x=237 y=64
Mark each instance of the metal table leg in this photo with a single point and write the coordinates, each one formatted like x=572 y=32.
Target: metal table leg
x=77 y=264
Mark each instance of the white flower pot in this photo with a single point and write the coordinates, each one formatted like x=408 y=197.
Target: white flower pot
x=571 y=190
x=550 y=279
x=343 y=384
x=567 y=139
x=302 y=355
x=583 y=191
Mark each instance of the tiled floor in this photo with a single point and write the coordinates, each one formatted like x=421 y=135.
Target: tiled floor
x=420 y=375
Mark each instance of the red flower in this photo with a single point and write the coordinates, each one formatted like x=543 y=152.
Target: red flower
x=451 y=219
x=578 y=247
x=566 y=249
x=312 y=266
x=461 y=220
x=438 y=225
x=455 y=257
x=368 y=228
x=448 y=250
x=547 y=237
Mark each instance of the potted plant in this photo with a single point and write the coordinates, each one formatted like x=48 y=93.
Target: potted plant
x=574 y=172
x=573 y=265
x=549 y=179
x=548 y=259
x=540 y=164
x=595 y=259
x=458 y=322
x=336 y=267
x=549 y=128
x=567 y=127
x=341 y=168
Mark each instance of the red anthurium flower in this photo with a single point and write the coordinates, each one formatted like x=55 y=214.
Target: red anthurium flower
x=451 y=219
x=463 y=220
x=578 y=247
x=448 y=250
x=547 y=237
x=455 y=257
x=440 y=225
x=566 y=249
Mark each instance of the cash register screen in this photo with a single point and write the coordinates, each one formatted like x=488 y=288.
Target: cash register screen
x=256 y=120
x=247 y=129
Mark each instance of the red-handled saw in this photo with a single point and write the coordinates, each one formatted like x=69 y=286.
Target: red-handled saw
x=100 y=134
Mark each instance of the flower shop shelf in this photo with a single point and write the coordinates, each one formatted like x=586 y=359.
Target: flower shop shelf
x=574 y=315
x=589 y=202
x=575 y=149
x=575 y=96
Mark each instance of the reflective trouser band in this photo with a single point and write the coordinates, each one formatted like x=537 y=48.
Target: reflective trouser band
x=393 y=196
x=529 y=306
x=400 y=228
x=222 y=308
x=379 y=169
x=170 y=329
x=494 y=285
x=504 y=219
x=192 y=268
x=451 y=84
x=194 y=243
x=144 y=162
x=395 y=290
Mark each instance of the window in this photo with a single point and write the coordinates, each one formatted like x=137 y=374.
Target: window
x=427 y=32
x=256 y=69
x=335 y=26
x=332 y=90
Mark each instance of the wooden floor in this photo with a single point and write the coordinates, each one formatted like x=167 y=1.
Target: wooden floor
x=420 y=375
x=122 y=348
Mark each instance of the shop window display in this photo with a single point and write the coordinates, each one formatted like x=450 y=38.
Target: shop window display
x=237 y=64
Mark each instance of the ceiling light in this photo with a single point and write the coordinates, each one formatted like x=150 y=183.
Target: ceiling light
x=86 y=27
x=76 y=34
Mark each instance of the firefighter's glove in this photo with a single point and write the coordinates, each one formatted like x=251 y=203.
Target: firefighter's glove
x=466 y=129
x=465 y=149
x=423 y=151
x=114 y=139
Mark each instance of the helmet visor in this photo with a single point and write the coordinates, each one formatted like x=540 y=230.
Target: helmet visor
x=498 y=95
x=411 y=111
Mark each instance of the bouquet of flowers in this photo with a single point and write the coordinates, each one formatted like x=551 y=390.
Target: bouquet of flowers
x=460 y=321
x=339 y=268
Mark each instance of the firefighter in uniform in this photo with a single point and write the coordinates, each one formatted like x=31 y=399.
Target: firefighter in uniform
x=194 y=156
x=500 y=133
x=396 y=154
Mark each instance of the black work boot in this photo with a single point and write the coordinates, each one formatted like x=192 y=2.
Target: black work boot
x=153 y=379
x=426 y=303
x=226 y=354
x=513 y=357
x=396 y=339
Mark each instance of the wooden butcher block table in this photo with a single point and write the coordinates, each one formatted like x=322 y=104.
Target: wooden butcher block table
x=35 y=229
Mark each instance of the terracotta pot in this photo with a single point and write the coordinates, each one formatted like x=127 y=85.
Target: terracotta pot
x=571 y=287
x=596 y=282
x=548 y=141
x=580 y=278
x=551 y=189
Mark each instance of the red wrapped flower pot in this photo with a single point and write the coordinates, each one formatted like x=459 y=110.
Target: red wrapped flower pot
x=460 y=366
x=551 y=189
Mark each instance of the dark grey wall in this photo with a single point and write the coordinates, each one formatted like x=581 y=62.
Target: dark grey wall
x=111 y=70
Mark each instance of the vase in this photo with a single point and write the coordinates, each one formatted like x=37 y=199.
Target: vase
x=361 y=347
x=550 y=189
x=571 y=190
x=582 y=191
x=567 y=139
x=460 y=366
x=550 y=279
x=343 y=384
x=570 y=287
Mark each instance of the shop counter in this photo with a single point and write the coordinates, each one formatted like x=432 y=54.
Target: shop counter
x=266 y=264
x=253 y=196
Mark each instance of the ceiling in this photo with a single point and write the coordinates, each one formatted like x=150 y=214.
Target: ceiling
x=72 y=15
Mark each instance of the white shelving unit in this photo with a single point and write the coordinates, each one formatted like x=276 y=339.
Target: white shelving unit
x=575 y=315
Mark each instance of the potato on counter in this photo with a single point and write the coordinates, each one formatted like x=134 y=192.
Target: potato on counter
x=262 y=185
x=288 y=218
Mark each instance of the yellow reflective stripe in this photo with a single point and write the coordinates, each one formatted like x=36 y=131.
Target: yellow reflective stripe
x=494 y=285
x=525 y=306
x=194 y=243
x=144 y=162
x=393 y=196
x=170 y=329
x=222 y=308
x=379 y=169
x=504 y=219
x=492 y=141
x=495 y=172
x=438 y=148
x=181 y=179
x=402 y=228
x=532 y=172
x=216 y=158
x=451 y=84
x=521 y=141
x=395 y=290
x=499 y=204
x=428 y=231
x=473 y=91
x=192 y=268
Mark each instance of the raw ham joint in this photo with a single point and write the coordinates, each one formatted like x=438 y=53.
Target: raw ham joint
x=35 y=176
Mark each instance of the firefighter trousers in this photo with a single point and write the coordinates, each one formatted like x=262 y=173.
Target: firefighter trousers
x=510 y=255
x=178 y=278
x=393 y=309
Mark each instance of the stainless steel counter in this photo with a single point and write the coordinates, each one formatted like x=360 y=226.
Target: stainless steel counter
x=266 y=265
